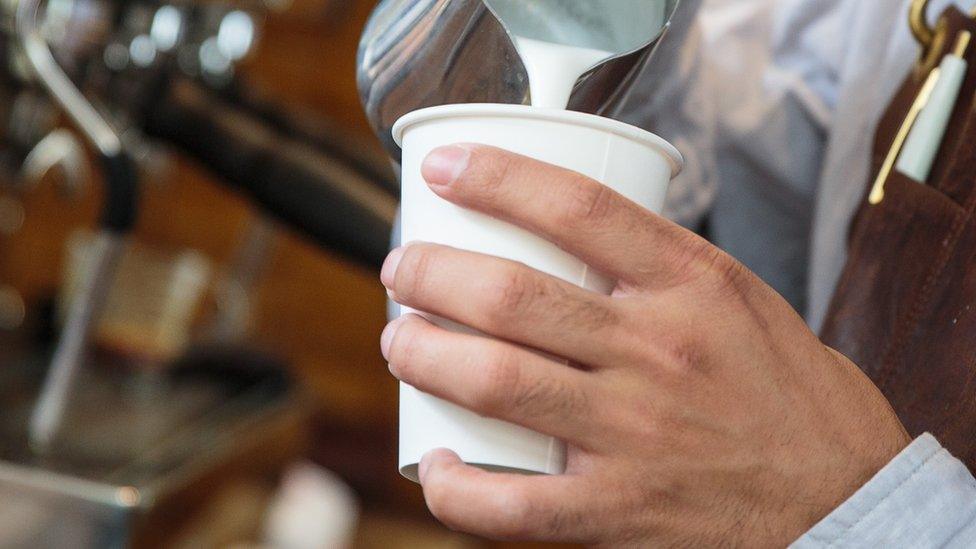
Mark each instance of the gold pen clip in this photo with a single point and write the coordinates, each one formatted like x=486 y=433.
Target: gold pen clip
x=922 y=99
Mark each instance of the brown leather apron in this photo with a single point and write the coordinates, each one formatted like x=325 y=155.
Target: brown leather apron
x=905 y=306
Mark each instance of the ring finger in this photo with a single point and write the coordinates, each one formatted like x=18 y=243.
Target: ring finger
x=493 y=378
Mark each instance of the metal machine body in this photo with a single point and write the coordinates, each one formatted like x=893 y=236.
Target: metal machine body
x=130 y=454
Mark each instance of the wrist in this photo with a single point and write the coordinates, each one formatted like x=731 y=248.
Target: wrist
x=923 y=497
x=849 y=467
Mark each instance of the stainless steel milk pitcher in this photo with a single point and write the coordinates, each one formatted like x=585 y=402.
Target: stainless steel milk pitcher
x=421 y=53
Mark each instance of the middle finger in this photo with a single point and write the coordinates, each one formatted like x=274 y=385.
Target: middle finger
x=508 y=300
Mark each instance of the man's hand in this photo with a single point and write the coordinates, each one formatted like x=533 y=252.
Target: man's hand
x=699 y=408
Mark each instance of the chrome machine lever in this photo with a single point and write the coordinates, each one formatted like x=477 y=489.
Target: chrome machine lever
x=117 y=219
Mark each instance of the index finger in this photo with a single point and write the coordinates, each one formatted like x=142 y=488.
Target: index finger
x=609 y=232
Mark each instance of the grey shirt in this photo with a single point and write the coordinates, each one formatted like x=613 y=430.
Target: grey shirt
x=774 y=104
x=923 y=498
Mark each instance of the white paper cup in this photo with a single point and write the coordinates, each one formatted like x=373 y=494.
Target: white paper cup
x=633 y=162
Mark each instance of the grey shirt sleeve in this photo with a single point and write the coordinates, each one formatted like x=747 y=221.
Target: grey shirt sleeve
x=923 y=498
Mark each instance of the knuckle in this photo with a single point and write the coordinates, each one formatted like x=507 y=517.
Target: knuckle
x=591 y=313
x=648 y=432
x=504 y=388
x=500 y=379
x=515 y=292
x=636 y=420
x=522 y=517
x=650 y=427
x=590 y=203
x=491 y=170
x=727 y=273
x=517 y=515
x=412 y=277
x=549 y=396
x=743 y=293
x=721 y=271
x=684 y=250
x=557 y=522
x=406 y=349
x=655 y=429
x=682 y=355
x=680 y=344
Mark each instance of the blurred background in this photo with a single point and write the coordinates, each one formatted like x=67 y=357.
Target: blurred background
x=231 y=392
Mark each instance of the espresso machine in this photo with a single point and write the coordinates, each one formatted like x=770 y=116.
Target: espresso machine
x=93 y=454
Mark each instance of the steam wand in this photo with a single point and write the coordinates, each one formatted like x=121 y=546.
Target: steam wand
x=118 y=216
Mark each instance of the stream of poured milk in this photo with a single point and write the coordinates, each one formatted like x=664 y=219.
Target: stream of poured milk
x=560 y=40
x=554 y=69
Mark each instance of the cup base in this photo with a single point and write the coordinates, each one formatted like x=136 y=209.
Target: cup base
x=412 y=471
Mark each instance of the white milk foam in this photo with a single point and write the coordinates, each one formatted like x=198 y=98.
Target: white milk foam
x=554 y=69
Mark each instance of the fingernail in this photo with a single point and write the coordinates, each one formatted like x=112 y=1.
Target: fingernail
x=386 y=338
x=445 y=165
x=388 y=274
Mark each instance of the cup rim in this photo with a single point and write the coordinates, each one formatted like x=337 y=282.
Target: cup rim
x=608 y=125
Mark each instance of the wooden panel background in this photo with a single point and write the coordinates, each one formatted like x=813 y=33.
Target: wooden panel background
x=316 y=310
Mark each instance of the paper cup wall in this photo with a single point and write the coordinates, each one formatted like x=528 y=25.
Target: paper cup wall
x=633 y=162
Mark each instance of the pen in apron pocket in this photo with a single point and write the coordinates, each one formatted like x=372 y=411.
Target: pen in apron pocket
x=926 y=135
x=877 y=190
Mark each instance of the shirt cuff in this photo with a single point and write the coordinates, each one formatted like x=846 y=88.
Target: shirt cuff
x=922 y=498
